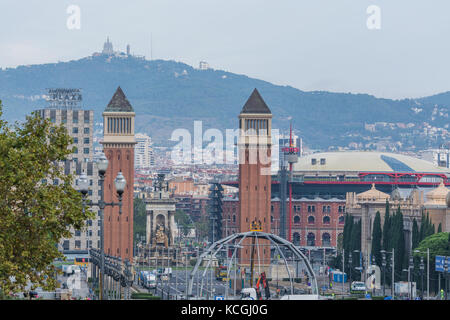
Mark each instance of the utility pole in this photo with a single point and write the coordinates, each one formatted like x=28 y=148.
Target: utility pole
x=428 y=273
x=393 y=268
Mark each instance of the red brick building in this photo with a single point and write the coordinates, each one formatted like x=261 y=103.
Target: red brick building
x=118 y=146
x=315 y=222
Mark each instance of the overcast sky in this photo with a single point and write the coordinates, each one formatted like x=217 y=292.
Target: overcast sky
x=308 y=44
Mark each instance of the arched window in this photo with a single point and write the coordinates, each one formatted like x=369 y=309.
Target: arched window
x=296 y=238
x=341 y=219
x=311 y=239
x=311 y=220
x=326 y=220
x=297 y=219
x=326 y=240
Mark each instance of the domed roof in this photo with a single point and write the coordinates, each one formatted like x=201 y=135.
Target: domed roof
x=438 y=196
x=395 y=195
x=373 y=195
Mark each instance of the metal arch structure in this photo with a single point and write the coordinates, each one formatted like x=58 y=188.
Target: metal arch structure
x=274 y=240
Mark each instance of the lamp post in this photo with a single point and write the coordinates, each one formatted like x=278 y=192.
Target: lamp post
x=445 y=275
x=383 y=264
x=120 y=183
x=411 y=266
x=350 y=260
x=422 y=267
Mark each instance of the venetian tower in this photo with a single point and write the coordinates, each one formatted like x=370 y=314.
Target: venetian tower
x=118 y=146
x=255 y=142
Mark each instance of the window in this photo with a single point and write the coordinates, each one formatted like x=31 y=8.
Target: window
x=297 y=219
x=311 y=220
x=326 y=220
x=86 y=116
x=313 y=161
x=66 y=245
x=86 y=150
x=311 y=239
x=341 y=219
x=75 y=130
x=77 y=233
x=75 y=150
x=311 y=208
x=86 y=140
x=86 y=130
x=75 y=140
x=326 y=239
x=89 y=222
x=77 y=244
x=322 y=161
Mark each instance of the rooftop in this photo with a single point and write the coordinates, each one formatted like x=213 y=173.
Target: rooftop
x=364 y=161
x=119 y=103
x=255 y=104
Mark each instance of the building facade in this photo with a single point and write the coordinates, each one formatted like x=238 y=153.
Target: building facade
x=118 y=145
x=315 y=222
x=144 y=158
x=79 y=124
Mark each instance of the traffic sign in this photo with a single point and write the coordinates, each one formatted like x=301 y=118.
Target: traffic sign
x=219 y=298
x=440 y=264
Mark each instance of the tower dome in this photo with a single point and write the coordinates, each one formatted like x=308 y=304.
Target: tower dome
x=438 y=196
x=395 y=195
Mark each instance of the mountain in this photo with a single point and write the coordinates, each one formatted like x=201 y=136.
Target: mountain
x=167 y=95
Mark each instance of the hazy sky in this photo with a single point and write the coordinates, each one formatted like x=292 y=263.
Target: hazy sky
x=310 y=45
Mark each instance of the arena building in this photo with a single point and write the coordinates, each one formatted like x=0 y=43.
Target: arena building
x=321 y=181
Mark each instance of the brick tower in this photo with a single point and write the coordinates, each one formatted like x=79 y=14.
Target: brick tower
x=255 y=124
x=118 y=146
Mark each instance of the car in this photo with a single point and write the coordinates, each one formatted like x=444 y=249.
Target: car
x=358 y=286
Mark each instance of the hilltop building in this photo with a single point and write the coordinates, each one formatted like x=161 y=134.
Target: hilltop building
x=108 y=48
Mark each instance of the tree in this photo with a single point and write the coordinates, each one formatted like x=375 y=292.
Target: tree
x=376 y=239
x=440 y=227
x=35 y=214
x=139 y=219
x=398 y=241
x=439 y=245
x=386 y=229
x=183 y=221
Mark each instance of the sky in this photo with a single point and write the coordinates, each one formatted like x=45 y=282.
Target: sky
x=307 y=44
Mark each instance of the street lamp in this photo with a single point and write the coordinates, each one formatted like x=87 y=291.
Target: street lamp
x=120 y=183
x=350 y=272
x=422 y=268
x=383 y=264
x=445 y=275
x=411 y=266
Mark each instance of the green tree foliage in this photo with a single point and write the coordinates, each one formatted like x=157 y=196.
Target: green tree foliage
x=139 y=219
x=35 y=215
x=376 y=238
x=398 y=241
x=439 y=245
x=440 y=227
x=183 y=221
x=386 y=229
x=426 y=227
x=202 y=227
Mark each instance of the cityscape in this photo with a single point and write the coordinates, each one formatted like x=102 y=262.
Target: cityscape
x=111 y=192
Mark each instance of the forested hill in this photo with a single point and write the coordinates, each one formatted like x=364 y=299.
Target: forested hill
x=168 y=95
